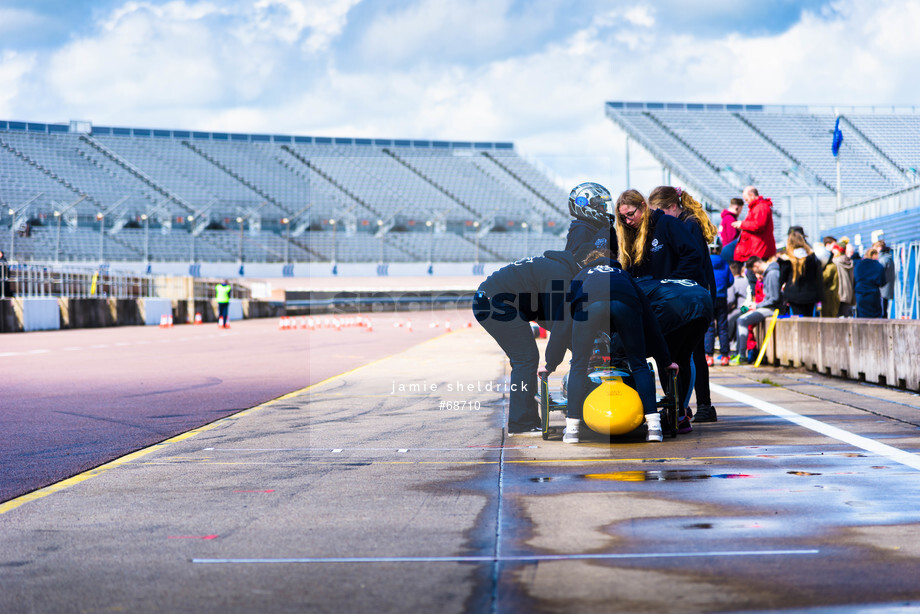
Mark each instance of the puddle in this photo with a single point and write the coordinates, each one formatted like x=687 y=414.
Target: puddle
x=644 y=476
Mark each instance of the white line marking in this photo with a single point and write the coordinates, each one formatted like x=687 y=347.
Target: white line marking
x=337 y=450
x=5 y=354
x=402 y=450
x=858 y=441
x=511 y=559
x=39 y=351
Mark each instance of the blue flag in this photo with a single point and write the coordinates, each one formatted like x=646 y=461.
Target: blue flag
x=838 y=138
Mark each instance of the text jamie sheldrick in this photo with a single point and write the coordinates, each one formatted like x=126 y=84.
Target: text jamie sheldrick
x=478 y=386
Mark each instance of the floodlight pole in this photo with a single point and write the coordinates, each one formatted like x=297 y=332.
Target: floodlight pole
x=334 y=226
x=101 y=217
x=146 y=217
x=628 y=184
x=59 y=215
x=839 y=193
x=13 y=214
x=287 y=221
x=193 y=218
x=526 y=227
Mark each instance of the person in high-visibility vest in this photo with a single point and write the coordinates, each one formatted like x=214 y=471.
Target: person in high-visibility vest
x=223 y=303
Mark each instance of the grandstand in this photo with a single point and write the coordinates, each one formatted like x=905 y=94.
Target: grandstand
x=717 y=149
x=95 y=194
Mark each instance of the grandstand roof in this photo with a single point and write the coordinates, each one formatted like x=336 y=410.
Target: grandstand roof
x=784 y=150
x=239 y=137
x=349 y=191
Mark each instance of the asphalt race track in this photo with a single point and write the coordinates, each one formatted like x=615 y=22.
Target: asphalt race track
x=71 y=400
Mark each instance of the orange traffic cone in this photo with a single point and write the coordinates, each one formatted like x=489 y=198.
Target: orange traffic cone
x=198 y=319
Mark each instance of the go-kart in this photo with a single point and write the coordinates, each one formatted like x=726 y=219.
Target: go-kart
x=613 y=406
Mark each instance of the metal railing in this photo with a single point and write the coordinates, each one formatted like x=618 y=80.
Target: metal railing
x=61 y=281
x=907 y=284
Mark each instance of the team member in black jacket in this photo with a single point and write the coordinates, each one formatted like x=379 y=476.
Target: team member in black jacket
x=529 y=290
x=651 y=244
x=678 y=203
x=591 y=228
x=608 y=300
x=659 y=246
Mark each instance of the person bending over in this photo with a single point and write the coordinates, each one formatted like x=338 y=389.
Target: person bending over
x=606 y=299
x=505 y=304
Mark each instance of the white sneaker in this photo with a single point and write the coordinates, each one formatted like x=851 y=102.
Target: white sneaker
x=570 y=435
x=654 y=427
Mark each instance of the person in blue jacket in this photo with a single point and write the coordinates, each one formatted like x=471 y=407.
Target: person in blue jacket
x=868 y=278
x=659 y=246
x=724 y=279
x=529 y=290
x=608 y=300
x=591 y=228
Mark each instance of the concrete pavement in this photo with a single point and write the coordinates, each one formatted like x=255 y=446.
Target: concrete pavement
x=364 y=493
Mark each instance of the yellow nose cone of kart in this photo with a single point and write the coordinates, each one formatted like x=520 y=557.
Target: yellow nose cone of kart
x=613 y=408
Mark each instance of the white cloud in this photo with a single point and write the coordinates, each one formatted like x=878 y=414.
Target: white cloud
x=14 y=67
x=450 y=70
x=435 y=31
x=324 y=20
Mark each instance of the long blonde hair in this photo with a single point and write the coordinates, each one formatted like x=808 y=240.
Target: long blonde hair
x=794 y=241
x=631 y=241
x=665 y=197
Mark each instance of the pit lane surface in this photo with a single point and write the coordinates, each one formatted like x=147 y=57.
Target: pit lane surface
x=71 y=400
x=348 y=497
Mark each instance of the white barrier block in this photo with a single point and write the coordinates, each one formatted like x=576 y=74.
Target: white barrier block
x=41 y=314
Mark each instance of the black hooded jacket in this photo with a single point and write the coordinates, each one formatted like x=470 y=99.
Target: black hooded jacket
x=532 y=288
x=583 y=237
x=706 y=278
x=603 y=280
x=671 y=252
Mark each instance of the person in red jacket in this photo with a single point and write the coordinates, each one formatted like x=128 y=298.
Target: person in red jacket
x=756 y=229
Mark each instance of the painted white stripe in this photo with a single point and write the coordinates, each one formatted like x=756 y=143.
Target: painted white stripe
x=864 y=443
x=510 y=559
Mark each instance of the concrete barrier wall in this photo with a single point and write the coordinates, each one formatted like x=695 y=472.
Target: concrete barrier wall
x=152 y=309
x=876 y=351
x=38 y=313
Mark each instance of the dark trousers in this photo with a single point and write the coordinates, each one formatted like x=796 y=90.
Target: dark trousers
x=515 y=338
x=802 y=309
x=718 y=325
x=624 y=317
x=223 y=311
x=681 y=344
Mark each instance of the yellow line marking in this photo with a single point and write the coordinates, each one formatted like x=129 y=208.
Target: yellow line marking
x=82 y=477
x=763 y=346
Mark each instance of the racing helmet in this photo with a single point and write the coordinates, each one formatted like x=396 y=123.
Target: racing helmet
x=591 y=202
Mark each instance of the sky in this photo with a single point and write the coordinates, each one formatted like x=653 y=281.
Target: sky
x=536 y=73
